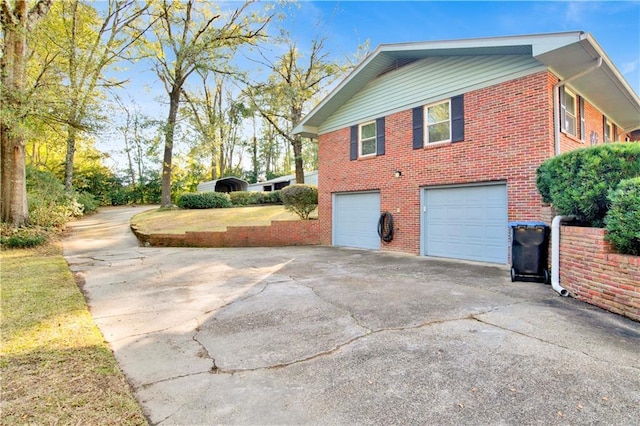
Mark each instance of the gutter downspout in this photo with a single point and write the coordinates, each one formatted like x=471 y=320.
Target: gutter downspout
x=555 y=254
x=556 y=101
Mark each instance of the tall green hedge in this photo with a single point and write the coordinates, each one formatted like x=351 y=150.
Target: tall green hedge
x=623 y=218
x=578 y=182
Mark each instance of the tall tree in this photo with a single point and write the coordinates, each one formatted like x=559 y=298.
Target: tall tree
x=16 y=21
x=294 y=83
x=217 y=117
x=90 y=42
x=190 y=36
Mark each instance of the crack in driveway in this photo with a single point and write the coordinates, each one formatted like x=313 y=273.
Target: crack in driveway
x=358 y=358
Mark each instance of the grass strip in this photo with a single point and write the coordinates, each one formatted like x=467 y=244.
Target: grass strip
x=55 y=365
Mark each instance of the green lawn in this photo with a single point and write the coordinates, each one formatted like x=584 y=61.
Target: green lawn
x=56 y=368
x=180 y=221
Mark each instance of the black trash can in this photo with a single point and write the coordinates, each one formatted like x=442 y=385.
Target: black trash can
x=529 y=251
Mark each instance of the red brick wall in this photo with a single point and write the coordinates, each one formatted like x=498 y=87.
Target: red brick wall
x=593 y=124
x=591 y=271
x=508 y=134
x=280 y=233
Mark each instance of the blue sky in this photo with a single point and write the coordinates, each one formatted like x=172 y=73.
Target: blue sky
x=615 y=25
x=347 y=24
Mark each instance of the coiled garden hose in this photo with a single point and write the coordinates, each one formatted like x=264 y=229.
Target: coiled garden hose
x=385 y=227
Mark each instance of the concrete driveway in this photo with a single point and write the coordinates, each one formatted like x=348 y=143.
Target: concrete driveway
x=325 y=335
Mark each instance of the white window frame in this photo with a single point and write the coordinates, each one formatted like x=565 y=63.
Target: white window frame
x=374 y=139
x=571 y=115
x=427 y=124
x=610 y=137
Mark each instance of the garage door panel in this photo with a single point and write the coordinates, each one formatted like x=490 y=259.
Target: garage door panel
x=355 y=220
x=466 y=223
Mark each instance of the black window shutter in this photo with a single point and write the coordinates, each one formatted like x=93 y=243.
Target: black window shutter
x=353 y=146
x=457 y=118
x=583 y=129
x=380 y=136
x=563 y=109
x=614 y=136
x=418 y=126
x=604 y=130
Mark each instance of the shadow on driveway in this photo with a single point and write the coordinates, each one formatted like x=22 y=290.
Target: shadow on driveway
x=325 y=335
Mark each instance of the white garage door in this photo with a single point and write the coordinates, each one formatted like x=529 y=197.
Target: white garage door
x=355 y=220
x=466 y=223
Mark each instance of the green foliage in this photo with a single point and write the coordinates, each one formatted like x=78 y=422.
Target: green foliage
x=204 y=200
x=578 y=182
x=87 y=201
x=22 y=237
x=49 y=205
x=272 y=197
x=623 y=218
x=247 y=198
x=300 y=199
x=119 y=196
x=243 y=198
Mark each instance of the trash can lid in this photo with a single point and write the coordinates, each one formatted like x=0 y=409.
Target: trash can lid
x=528 y=224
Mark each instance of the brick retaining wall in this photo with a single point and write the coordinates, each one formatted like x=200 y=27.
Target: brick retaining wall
x=279 y=233
x=592 y=272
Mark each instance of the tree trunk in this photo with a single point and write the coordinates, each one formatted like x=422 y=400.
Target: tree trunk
x=19 y=208
x=13 y=177
x=255 y=157
x=68 y=163
x=174 y=105
x=6 y=173
x=296 y=142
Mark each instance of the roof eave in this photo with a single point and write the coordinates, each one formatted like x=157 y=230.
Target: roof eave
x=544 y=47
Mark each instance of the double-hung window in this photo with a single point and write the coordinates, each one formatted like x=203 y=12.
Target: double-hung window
x=438 y=122
x=570 y=106
x=367 y=139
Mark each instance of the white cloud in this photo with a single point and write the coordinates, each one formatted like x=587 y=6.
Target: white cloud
x=578 y=12
x=629 y=67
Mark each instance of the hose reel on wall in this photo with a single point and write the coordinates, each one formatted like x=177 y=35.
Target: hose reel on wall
x=385 y=227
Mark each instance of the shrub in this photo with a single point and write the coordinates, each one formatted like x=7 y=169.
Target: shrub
x=578 y=182
x=49 y=205
x=118 y=197
x=22 y=237
x=87 y=201
x=51 y=214
x=247 y=198
x=300 y=199
x=244 y=198
x=273 y=197
x=204 y=200
x=623 y=218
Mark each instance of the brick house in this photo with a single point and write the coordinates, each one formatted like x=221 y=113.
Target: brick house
x=446 y=136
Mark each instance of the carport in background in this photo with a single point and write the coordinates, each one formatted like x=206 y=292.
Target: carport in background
x=466 y=222
x=355 y=219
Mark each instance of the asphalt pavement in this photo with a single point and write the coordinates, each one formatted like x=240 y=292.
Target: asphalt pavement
x=327 y=335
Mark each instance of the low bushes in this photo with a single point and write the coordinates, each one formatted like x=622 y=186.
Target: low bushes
x=22 y=237
x=246 y=198
x=50 y=208
x=210 y=200
x=204 y=200
x=300 y=199
x=578 y=182
x=623 y=218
